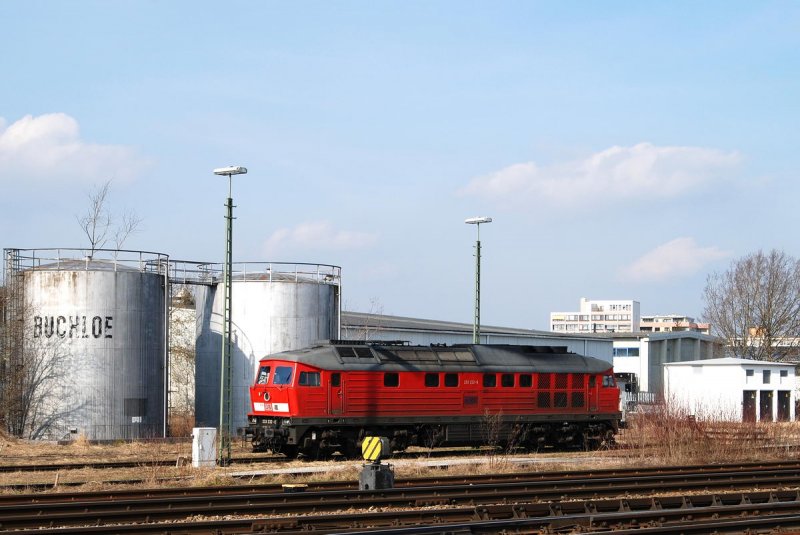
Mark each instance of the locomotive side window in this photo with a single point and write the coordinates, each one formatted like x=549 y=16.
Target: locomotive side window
x=283 y=375
x=544 y=381
x=431 y=379
x=336 y=379
x=309 y=379
x=507 y=380
x=489 y=380
x=561 y=380
x=263 y=375
x=451 y=379
x=525 y=380
x=391 y=379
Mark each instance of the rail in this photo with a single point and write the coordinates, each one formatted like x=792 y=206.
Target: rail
x=542 y=500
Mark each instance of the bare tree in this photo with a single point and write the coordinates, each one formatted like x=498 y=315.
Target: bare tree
x=98 y=225
x=97 y=221
x=755 y=306
x=34 y=401
x=129 y=224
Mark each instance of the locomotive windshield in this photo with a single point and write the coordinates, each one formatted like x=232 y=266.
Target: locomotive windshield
x=263 y=375
x=283 y=375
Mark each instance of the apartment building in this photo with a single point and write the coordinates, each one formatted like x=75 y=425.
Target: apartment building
x=672 y=323
x=598 y=316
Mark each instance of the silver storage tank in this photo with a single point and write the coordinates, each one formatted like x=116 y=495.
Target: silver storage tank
x=103 y=318
x=274 y=307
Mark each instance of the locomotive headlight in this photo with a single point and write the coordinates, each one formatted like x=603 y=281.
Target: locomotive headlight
x=266 y=396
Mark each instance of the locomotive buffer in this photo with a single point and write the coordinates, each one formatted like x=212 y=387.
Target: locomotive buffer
x=375 y=476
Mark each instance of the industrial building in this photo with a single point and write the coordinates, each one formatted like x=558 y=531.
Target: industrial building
x=731 y=389
x=365 y=326
x=275 y=307
x=639 y=357
x=92 y=352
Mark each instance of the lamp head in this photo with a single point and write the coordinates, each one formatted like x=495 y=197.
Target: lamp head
x=477 y=220
x=230 y=170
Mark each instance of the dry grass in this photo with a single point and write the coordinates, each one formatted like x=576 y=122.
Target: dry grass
x=667 y=435
x=659 y=437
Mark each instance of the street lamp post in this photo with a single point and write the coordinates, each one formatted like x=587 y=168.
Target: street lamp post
x=476 y=324
x=224 y=438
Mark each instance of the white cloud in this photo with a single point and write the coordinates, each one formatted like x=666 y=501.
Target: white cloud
x=677 y=258
x=316 y=236
x=617 y=173
x=48 y=148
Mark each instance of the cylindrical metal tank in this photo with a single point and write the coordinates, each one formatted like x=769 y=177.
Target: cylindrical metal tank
x=98 y=324
x=274 y=307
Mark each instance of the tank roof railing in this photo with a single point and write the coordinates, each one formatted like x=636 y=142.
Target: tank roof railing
x=77 y=259
x=188 y=272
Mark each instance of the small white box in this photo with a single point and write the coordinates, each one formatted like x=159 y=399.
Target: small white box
x=204 y=447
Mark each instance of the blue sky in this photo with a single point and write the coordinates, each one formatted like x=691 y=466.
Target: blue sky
x=624 y=149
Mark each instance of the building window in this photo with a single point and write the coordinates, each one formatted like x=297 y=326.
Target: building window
x=766 y=374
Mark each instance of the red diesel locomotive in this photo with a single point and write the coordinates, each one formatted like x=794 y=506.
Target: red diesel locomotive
x=327 y=398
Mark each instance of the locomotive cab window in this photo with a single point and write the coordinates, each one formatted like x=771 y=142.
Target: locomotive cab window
x=489 y=380
x=451 y=379
x=336 y=379
x=507 y=380
x=263 y=375
x=608 y=380
x=309 y=379
x=525 y=380
x=391 y=379
x=431 y=379
x=283 y=375
x=592 y=381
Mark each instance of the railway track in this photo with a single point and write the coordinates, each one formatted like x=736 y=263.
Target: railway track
x=260 y=488
x=45 y=464
x=600 y=500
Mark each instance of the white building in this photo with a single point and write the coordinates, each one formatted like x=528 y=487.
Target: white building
x=602 y=316
x=732 y=389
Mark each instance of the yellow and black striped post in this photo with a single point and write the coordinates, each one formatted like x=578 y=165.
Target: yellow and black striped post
x=375 y=476
x=373 y=448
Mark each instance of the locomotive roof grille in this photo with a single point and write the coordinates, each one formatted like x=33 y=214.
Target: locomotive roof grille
x=358 y=352
x=463 y=357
